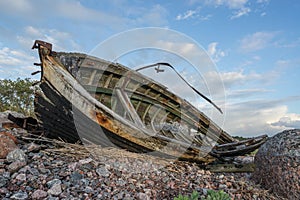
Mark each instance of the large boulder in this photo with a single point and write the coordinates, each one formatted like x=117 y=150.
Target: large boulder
x=7 y=143
x=278 y=164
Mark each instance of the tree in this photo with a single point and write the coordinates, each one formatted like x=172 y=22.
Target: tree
x=17 y=95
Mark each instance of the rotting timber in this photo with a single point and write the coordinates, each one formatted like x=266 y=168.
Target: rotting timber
x=105 y=103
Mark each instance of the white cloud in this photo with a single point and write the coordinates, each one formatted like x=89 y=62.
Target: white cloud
x=13 y=57
x=214 y=53
x=240 y=7
x=246 y=93
x=288 y=121
x=15 y=63
x=240 y=13
x=244 y=119
x=154 y=16
x=233 y=78
x=186 y=15
x=256 y=117
x=193 y=14
x=60 y=39
x=75 y=11
x=257 y=41
x=263 y=1
x=263 y=14
x=16 y=6
x=232 y=4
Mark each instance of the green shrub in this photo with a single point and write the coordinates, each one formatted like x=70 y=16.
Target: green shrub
x=194 y=196
x=217 y=195
x=17 y=95
x=211 y=195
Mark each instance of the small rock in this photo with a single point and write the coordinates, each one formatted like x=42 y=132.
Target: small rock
x=15 y=166
x=221 y=176
x=19 y=195
x=88 y=189
x=39 y=194
x=3 y=190
x=3 y=181
x=34 y=171
x=73 y=166
x=222 y=187
x=53 y=182
x=16 y=155
x=6 y=175
x=103 y=172
x=76 y=176
x=228 y=184
x=142 y=196
x=55 y=190
x=33 y=147
x=45 y=171
x=204 y=191
x=85 y=161
x=21 y=177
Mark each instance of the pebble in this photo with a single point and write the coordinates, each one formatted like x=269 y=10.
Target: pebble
x=3 y=181
x=21 y=177
x=53 y=182
x=16 y=155
x=222 y=187
x=85 y=161
x=15 y=166
x=39 y=194
x=19 y=196
x=103 y=172
x=32 y=147
x=55 y=190
x=142 y=196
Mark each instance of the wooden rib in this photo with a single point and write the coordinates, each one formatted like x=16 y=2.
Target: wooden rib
x=92 y=77
x=109 y=78
x=125 y=101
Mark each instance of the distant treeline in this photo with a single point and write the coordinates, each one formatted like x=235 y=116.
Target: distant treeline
x=17 y=95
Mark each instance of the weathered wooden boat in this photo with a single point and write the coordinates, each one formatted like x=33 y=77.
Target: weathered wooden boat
x=105 y=103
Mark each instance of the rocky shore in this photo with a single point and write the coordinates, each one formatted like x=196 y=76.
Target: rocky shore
x=40 y=168
x=36 y=167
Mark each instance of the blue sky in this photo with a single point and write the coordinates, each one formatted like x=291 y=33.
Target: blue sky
x=254 y=44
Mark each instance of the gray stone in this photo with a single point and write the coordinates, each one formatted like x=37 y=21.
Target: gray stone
x=32 y=147
x=142 y=196
x=53 y=182
x=19 y=195
x=16 y=155
x=34 y=171
x=76 y=176
x=278 y=164
x=21 y=177
x=3 y=181
x=39 y=194
x=6 y=175
x=88 y=189
x=103 y=172
x=55 y=190
x=15 y=166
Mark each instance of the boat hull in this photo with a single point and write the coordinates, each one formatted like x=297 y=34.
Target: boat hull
x=75 y=107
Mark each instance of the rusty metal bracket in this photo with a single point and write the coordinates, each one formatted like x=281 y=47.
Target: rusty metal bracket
x=36 y=72
x=37 y=64
x=39 y=43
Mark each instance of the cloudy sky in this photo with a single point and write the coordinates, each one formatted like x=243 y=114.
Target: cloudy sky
x=255 y=45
